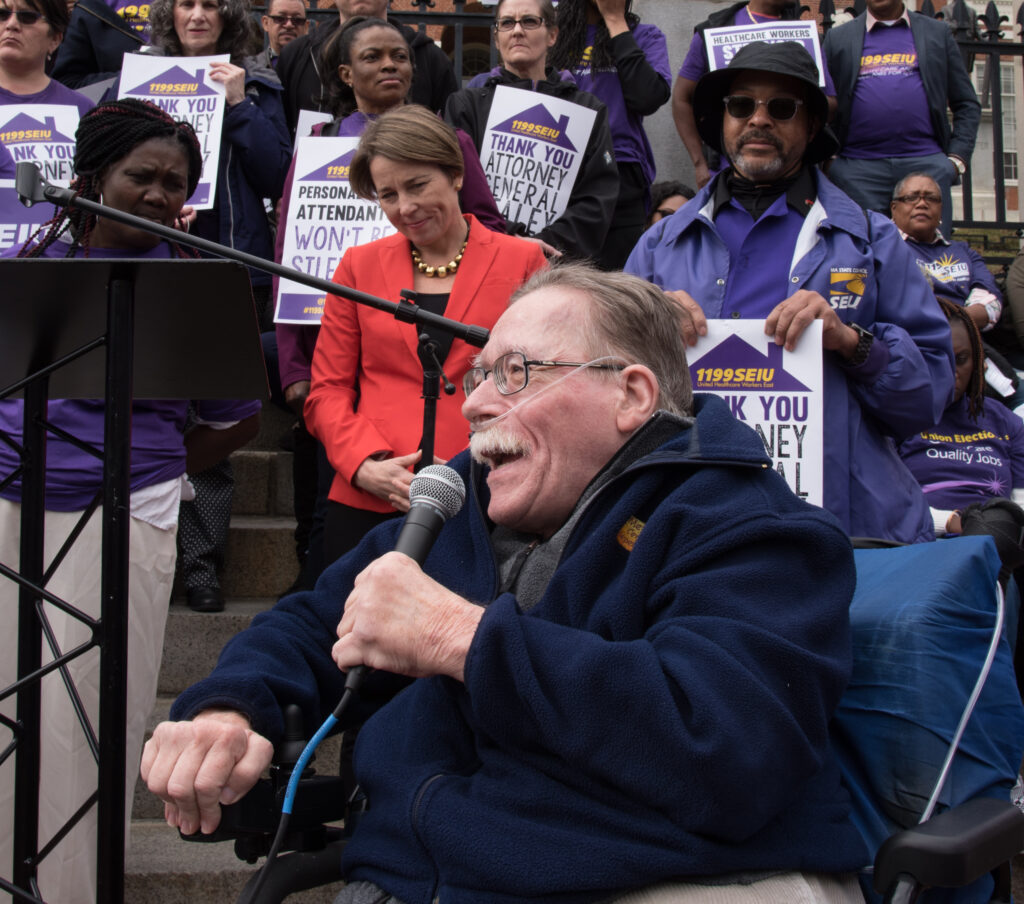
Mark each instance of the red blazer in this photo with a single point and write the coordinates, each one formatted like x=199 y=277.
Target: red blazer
x=367 y=379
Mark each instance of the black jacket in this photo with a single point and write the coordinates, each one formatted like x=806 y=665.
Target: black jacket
x=299 y=70
x=722 y=18
x=96 y=40
x=581 y=230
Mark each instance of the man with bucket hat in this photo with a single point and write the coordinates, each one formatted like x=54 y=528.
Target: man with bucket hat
x=771 y=238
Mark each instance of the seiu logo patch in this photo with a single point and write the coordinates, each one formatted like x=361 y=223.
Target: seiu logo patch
x=846 y=287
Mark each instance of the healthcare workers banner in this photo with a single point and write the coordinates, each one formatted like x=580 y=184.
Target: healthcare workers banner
x=722 y=43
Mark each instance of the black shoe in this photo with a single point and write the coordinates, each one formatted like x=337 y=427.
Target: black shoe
x=205 y=599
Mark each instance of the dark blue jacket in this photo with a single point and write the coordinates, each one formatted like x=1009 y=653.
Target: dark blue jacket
x=662 y=711
x=96 y=41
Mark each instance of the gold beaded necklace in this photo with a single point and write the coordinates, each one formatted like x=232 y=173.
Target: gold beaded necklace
x=439 y=272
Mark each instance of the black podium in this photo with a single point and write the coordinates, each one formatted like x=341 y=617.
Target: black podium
x=113 y=330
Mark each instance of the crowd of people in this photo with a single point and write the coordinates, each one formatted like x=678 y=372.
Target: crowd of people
x=583 y=671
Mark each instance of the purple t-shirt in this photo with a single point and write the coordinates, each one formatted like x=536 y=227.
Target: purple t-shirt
x=629 y=140
x=695 y=66
x=889 y=113
x=53 y=93
x=73 y=477
x=958 y=462
x=954 y=269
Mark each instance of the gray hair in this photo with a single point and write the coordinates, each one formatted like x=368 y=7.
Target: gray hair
x=236 y=37
x=898 y=188
x=630 y=318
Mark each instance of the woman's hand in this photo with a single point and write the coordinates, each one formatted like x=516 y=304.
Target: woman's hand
x=388 y=479
x=185 y=219
x=232 y=77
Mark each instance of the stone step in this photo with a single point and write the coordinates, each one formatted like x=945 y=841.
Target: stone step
x=260 y=559
x=160 y=868
x=274 y=426
x=193 y=640
x=263 y=483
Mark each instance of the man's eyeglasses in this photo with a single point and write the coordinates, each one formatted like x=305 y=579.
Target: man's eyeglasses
x=512 y=372
x=297 y=21
x=740 y=106
x=507 y=23
x=24 y=16
x=916 y=196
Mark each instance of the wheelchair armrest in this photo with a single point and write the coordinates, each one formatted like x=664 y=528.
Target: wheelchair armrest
x=298 y=872
x=952 y=849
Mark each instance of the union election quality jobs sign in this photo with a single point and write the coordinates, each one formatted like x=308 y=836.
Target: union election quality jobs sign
x=325 y=219
x=775 y=392
x=723 y=43
x=43 y=134
x=181 y=86
x=531 y=154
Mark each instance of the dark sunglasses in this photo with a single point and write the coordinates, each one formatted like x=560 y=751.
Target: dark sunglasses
x=284 y=20
x=740 y=106
x=507 y=23
x=24 y=16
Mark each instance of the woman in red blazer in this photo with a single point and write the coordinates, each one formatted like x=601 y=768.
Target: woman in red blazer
x=365 y=402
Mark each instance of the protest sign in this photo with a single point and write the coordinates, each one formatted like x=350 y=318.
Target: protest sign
x=776 y=392
x=182 y=87
x=531 y=154
x=722 y=43
x=325 y=218
x=43 y=134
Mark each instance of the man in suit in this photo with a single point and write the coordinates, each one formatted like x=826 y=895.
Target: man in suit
x=896 y=73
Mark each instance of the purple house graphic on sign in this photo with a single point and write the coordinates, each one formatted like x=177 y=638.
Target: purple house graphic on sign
x=736 y=354
x=537 y=122
x=178 y=77
x=25 y=123
x=336 y=169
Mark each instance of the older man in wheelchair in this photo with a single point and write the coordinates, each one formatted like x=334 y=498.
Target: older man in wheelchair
x=622 y=658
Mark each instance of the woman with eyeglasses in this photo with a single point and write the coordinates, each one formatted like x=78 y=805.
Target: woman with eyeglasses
x=364 y=404
x=525 y=31
x=30 y=33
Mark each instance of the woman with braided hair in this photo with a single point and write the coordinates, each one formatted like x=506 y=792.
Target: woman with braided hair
x=625 y=65
x=976 y=451
x=135 y=158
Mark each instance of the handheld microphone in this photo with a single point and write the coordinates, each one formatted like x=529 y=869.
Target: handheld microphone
x=435 y=495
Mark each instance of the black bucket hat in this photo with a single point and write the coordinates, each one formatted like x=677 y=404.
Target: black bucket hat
x=784 y=58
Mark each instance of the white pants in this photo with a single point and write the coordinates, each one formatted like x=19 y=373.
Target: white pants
x=68 y=771
x=791 y=888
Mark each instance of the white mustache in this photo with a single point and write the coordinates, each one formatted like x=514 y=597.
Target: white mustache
x=495 y=442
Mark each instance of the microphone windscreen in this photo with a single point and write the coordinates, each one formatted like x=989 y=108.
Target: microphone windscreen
x=440 y=486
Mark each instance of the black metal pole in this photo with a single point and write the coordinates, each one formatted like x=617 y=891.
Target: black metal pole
x=33 y=515
x=117 y=436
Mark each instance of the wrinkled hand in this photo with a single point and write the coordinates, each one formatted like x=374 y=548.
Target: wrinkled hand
x=400 y=620
x=196 y=766
x=788 y=320
x=233 y=79
x=295 y=395
x=693 y=322
x=388 y=479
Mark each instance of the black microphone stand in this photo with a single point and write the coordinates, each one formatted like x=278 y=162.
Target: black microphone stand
x=33 y=189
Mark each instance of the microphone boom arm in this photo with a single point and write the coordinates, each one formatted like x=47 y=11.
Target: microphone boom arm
x=33 y=189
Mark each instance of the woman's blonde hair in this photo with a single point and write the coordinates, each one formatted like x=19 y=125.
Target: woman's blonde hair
x=410 y=134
